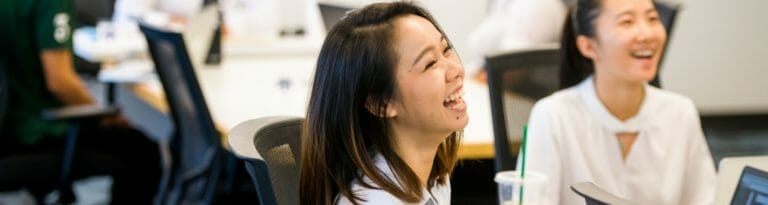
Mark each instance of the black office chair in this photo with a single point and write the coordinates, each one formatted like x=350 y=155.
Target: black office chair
x=44 y=172
x=271 y=147
x=667 y=15
x=516 y=80
x=593 y=195
x=195 y=149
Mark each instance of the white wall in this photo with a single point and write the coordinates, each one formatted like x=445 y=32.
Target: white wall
x=718 y=56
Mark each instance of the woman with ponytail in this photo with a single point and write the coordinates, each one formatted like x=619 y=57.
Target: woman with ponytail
x=607 y=125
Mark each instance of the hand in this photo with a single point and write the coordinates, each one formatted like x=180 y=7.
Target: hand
x=116 y=121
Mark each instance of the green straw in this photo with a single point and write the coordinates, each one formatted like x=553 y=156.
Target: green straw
x=522 y=169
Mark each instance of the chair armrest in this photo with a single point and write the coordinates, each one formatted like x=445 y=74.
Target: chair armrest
x=77 y=112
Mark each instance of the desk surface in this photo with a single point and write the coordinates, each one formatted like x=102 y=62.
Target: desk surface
x=245 y=88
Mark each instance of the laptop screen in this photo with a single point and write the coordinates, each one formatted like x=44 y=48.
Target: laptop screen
x=752 y=188
x=332 y=13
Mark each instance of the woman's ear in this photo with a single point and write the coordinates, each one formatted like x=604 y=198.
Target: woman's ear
x=389 y=112
x=587 y=47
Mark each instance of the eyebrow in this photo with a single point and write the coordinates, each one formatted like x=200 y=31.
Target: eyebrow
x=425 y=50
x=649 y=11
x=624 y=13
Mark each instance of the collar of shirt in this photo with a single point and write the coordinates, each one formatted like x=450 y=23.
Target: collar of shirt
x=635 y=124
x=428 y=197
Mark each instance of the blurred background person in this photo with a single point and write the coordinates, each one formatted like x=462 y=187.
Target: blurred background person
x=608 y=125
x=37 y=61
x=174 y=13
x=514 y=24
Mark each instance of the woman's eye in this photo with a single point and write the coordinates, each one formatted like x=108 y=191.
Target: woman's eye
x=653 y=19
x=431 y=63
x=625 y=22
x=447 y=50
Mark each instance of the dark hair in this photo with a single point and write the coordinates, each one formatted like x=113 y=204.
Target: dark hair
x=354 y=81
x=574 y=67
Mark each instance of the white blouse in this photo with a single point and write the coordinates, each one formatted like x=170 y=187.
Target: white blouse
x=572 y=138
x=438 y=195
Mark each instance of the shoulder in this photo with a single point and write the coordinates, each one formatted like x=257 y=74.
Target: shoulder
x=558 y=102
x=369 y=196
x=670 y=102
x=373 y=194
x=442 y=193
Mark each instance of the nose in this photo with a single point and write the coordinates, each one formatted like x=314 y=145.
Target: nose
x=645 y=31
x=454 y=70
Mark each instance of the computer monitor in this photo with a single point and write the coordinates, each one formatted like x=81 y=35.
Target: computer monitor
x=752 y=188
x=332 y=13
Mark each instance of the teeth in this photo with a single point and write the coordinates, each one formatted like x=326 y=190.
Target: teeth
x=459 y=105
x=643 y=53
x=454 y=96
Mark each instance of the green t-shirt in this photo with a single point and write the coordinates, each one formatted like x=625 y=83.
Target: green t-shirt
x=28 y=27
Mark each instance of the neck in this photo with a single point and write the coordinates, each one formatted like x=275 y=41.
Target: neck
x=418 y=150
x=622 y=99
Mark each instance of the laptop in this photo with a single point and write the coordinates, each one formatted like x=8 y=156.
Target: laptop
x=730 y=171
x=752 y=188
x=593 y=195
x=333 y=12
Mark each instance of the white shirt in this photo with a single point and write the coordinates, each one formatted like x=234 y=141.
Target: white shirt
x=440 y=194
x=515 y=24
x=572 y=138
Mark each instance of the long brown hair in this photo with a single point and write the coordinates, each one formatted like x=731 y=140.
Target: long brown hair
x=575 y=67
x=354 y=81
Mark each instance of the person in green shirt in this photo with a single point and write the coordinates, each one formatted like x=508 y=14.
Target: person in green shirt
x=35 y=53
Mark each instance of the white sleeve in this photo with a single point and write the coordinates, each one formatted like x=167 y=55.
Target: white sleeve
x=484 y=39
x=542 y=150
x=515 y=24
x=700 y=178
x=532 y=23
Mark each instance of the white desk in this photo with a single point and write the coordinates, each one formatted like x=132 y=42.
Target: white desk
x=245 y=88
x=730 y=169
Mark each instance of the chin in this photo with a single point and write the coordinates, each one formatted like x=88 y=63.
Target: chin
x=646 y=74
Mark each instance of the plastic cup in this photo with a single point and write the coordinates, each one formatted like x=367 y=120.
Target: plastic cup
x=510 y=185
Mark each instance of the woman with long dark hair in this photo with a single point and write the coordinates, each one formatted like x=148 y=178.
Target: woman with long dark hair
x=607 y=125
x=385 y=113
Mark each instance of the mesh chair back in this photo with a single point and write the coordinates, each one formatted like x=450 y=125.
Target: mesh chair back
x=194 y=147
x=271 y=147
x=516 y=80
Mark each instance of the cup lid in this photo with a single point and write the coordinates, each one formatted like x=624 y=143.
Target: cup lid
x=508 y=177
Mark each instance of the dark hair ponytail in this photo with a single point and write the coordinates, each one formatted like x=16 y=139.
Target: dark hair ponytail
x=575 y=67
